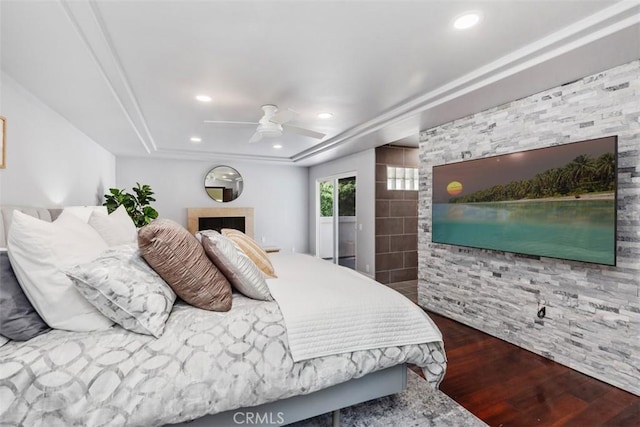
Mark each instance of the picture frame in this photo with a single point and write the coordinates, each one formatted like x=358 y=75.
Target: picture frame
x=558 y=201
x=3 y=142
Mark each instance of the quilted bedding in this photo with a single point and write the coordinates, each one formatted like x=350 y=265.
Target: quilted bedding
x=205 y=362
x=329 y=309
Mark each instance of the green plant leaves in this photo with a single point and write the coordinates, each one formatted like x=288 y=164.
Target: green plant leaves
x=137 y=206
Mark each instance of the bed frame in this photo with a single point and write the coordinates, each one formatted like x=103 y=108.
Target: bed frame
x=281 y=412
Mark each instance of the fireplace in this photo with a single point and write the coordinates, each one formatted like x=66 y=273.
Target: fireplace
x=218 y=218
x=219 y=222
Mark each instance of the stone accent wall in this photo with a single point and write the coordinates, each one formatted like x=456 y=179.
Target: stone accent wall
x=592 y=321
x=396 y=219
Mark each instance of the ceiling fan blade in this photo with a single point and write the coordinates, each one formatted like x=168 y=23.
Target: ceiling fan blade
x=227 y=122
x=255 y=138
x=302 y=131
x=283 y=116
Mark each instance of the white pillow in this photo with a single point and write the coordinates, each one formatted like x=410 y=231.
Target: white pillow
x=116 y=228
x=40 y=251
x=84 y=212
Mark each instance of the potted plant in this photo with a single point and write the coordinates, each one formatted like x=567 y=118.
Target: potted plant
x=137 y=205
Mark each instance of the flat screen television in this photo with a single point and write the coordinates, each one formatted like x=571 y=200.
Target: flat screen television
x=557 y=202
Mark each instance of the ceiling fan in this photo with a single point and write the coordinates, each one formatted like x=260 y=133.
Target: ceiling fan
x=272 y=124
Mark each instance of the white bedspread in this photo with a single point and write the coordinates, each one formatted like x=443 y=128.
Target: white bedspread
x=206 y=362
x=329 y=309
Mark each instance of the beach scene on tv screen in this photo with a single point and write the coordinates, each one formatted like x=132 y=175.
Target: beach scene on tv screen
x=557 y=202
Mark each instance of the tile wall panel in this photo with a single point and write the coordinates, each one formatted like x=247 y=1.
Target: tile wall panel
x=593 y=311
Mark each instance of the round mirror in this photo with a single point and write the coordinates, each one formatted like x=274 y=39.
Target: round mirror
x=223 y=184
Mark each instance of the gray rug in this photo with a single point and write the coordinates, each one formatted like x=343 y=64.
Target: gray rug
x=419 y=405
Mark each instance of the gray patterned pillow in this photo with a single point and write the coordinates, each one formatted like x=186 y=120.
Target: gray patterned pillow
x=18 y=319
x=241 y=271
x=122 y=286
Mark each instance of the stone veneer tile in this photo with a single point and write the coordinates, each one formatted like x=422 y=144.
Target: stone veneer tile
x=593 y=312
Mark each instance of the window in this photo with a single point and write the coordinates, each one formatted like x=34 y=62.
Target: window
x=402 y=178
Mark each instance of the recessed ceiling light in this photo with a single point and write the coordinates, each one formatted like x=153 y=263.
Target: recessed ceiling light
x=325 y=115
x=466 y=20
x=203 y=98
x=277 y=146
x=195 y=139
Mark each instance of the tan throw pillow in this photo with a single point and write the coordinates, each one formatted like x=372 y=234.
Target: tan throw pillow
x=252 y=249
x=180 y=260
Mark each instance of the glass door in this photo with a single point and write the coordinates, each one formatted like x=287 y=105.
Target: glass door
x=325 y=235
x=347 y=223
x=336 y=220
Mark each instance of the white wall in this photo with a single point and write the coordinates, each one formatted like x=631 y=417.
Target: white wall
x=363 y=164
x=277 y=193
x=49 y=162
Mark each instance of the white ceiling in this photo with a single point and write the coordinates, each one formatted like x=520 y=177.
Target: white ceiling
x=126 y=72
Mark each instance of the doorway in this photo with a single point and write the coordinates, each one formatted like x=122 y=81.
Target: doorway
x=336 y=219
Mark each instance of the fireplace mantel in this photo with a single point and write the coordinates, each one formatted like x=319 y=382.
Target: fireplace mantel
x=194 y=214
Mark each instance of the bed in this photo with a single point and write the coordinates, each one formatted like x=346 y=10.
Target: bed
x=215 y=368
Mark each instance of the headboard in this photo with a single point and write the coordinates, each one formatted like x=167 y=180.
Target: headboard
x=6 y=214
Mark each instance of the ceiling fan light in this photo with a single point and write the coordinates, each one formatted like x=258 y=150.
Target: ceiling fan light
x=325 y=115
x=269 y=129
x=277 y=146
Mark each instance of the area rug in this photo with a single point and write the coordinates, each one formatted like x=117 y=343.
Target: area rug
x=418 y=405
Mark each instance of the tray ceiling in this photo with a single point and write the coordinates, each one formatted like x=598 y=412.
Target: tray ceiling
x=126 y=72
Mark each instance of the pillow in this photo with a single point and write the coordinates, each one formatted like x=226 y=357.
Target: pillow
x=122 y=286
x=252 y=249
x=18 y=319
x=116 y=229
x=243 y=274
x=84 y=212
x=180 y=260
x=3 y=340
x=39 y=251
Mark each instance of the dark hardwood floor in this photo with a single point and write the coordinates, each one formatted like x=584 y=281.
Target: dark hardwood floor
x=504 y=385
